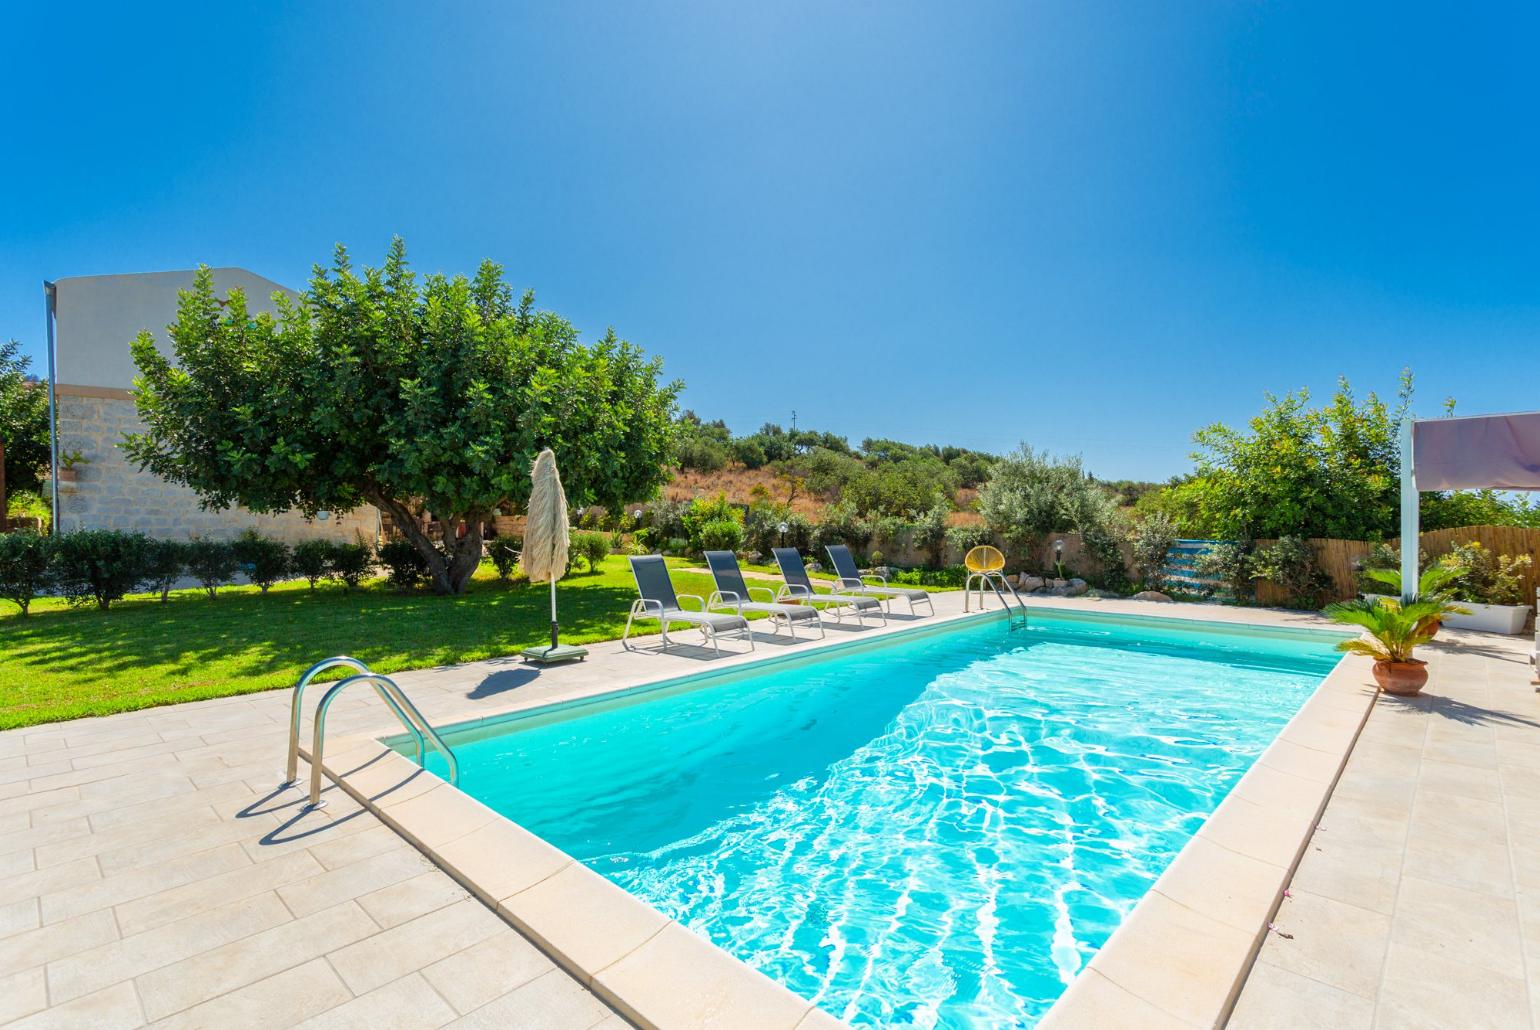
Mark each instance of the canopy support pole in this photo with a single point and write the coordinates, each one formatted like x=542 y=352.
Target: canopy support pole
x=1411 y=535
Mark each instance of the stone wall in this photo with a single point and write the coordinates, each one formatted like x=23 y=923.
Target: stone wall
x=111 y=493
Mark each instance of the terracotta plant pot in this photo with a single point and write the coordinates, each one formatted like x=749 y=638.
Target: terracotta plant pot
x=1401 y=678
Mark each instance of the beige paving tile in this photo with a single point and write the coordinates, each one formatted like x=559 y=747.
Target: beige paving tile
x=211 y=892
x=22 y=993
x=406 y=1003
x=1366 y=875
x=16 y=916
x=551 y=1002
x=1258 y=831
x=110 y=1009
x=139 y=883
x=1427 y=990
x=373 y=839
x=124 y=959
x=211 y=972
x=816 y=1019
x=1340 y=945
x=1460 y=925
x=21 y=836
x=39 y=882
x=1459 y=780
x=395 y=952
x=417 y=896
x=1275 y=999
x=351 y=881
x=584 y=918
x=282 y=999
x=46 y=943
x=440 y=816
x=1482 y=865
x=678 y=979
x=485 y=972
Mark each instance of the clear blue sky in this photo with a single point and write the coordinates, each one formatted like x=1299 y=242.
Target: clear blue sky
x=1089 y=226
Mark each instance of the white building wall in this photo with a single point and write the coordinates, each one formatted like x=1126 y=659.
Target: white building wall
x=96 y=319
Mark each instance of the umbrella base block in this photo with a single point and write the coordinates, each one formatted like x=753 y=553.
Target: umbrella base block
x=552 y=655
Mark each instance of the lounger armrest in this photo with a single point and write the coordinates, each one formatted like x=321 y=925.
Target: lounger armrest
x=764 y=590
x=641 y=606
x=725 y=599
x=882 y=580
x=691 y=597
x=845 y=582
x=795 y=590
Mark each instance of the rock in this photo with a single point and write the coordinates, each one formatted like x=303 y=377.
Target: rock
x=1076 y=587
x=1151 y=595
x=1028 y=582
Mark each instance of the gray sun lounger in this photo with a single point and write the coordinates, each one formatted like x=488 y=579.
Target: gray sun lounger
x=658 y=601
x=733 y=593
x=800 y=588
x=851 y=582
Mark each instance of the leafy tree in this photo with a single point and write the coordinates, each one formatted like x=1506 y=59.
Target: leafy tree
x=101 y=565
x=1458 y=508
x=930 y=534
x=23 y=420
x=26 y=566
x=351 y=563
x=212 y=563
x=264 y=559
x=1301 y=471
x=163 y=565
x=312 y=559
x=404 y=564
x=916 y=483
x=423 y=399
x=1152 y=539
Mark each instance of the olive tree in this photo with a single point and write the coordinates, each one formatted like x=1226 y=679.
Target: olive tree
x=425 y=399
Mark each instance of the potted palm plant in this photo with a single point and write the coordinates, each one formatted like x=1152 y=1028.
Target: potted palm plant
x=1393 y=632
x=1432 y=585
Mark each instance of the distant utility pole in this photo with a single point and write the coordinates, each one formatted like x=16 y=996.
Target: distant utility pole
x=793 y=420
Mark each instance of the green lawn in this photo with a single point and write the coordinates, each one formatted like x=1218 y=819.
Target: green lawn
x=64 y=663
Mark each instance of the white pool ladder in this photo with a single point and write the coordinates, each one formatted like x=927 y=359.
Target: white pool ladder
x=395 y=699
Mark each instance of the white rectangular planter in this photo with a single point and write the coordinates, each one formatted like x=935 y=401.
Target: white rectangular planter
x=1490 y=618
x=1485 y=618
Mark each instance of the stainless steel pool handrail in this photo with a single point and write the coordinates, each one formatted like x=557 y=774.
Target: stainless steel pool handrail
x=410 y=717
x=291 y=772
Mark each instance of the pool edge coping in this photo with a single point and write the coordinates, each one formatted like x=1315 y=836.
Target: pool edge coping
x=473 y=844
x=1183 y=953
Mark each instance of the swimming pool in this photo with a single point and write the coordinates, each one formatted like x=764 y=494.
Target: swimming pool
x=935 y=830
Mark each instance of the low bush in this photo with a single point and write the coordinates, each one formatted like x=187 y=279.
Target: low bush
x=504 y=552
x=950 y=576
x=26 y=566
x=1484 y=577
x=1291 y=563
x=263 y=559
x=963 y=539
x=676 y=546
x=164 y=563
x=724 y=535
x=212 y=563
x=407 y=567
x=1152 y=538
x=351 y=563
x=1229 y=564
x=100 y=565
x=593 y=548
x=312 y=559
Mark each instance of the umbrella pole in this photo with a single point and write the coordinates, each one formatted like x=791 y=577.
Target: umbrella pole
x=553 y=612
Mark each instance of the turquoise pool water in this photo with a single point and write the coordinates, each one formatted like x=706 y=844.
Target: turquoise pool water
x=937 y=831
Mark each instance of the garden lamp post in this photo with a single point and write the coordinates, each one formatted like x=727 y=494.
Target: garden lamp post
x=1058 y=557
x=782 y=541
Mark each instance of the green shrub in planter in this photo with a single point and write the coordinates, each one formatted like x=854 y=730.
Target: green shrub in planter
x=722 y=535
x=163 y=566
x=100 y=565
x=212 y=563
x=264 y=560
x=312 y=559
x=593 y=548
x=407 y=567
x=351 y=563
x=26 y=566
